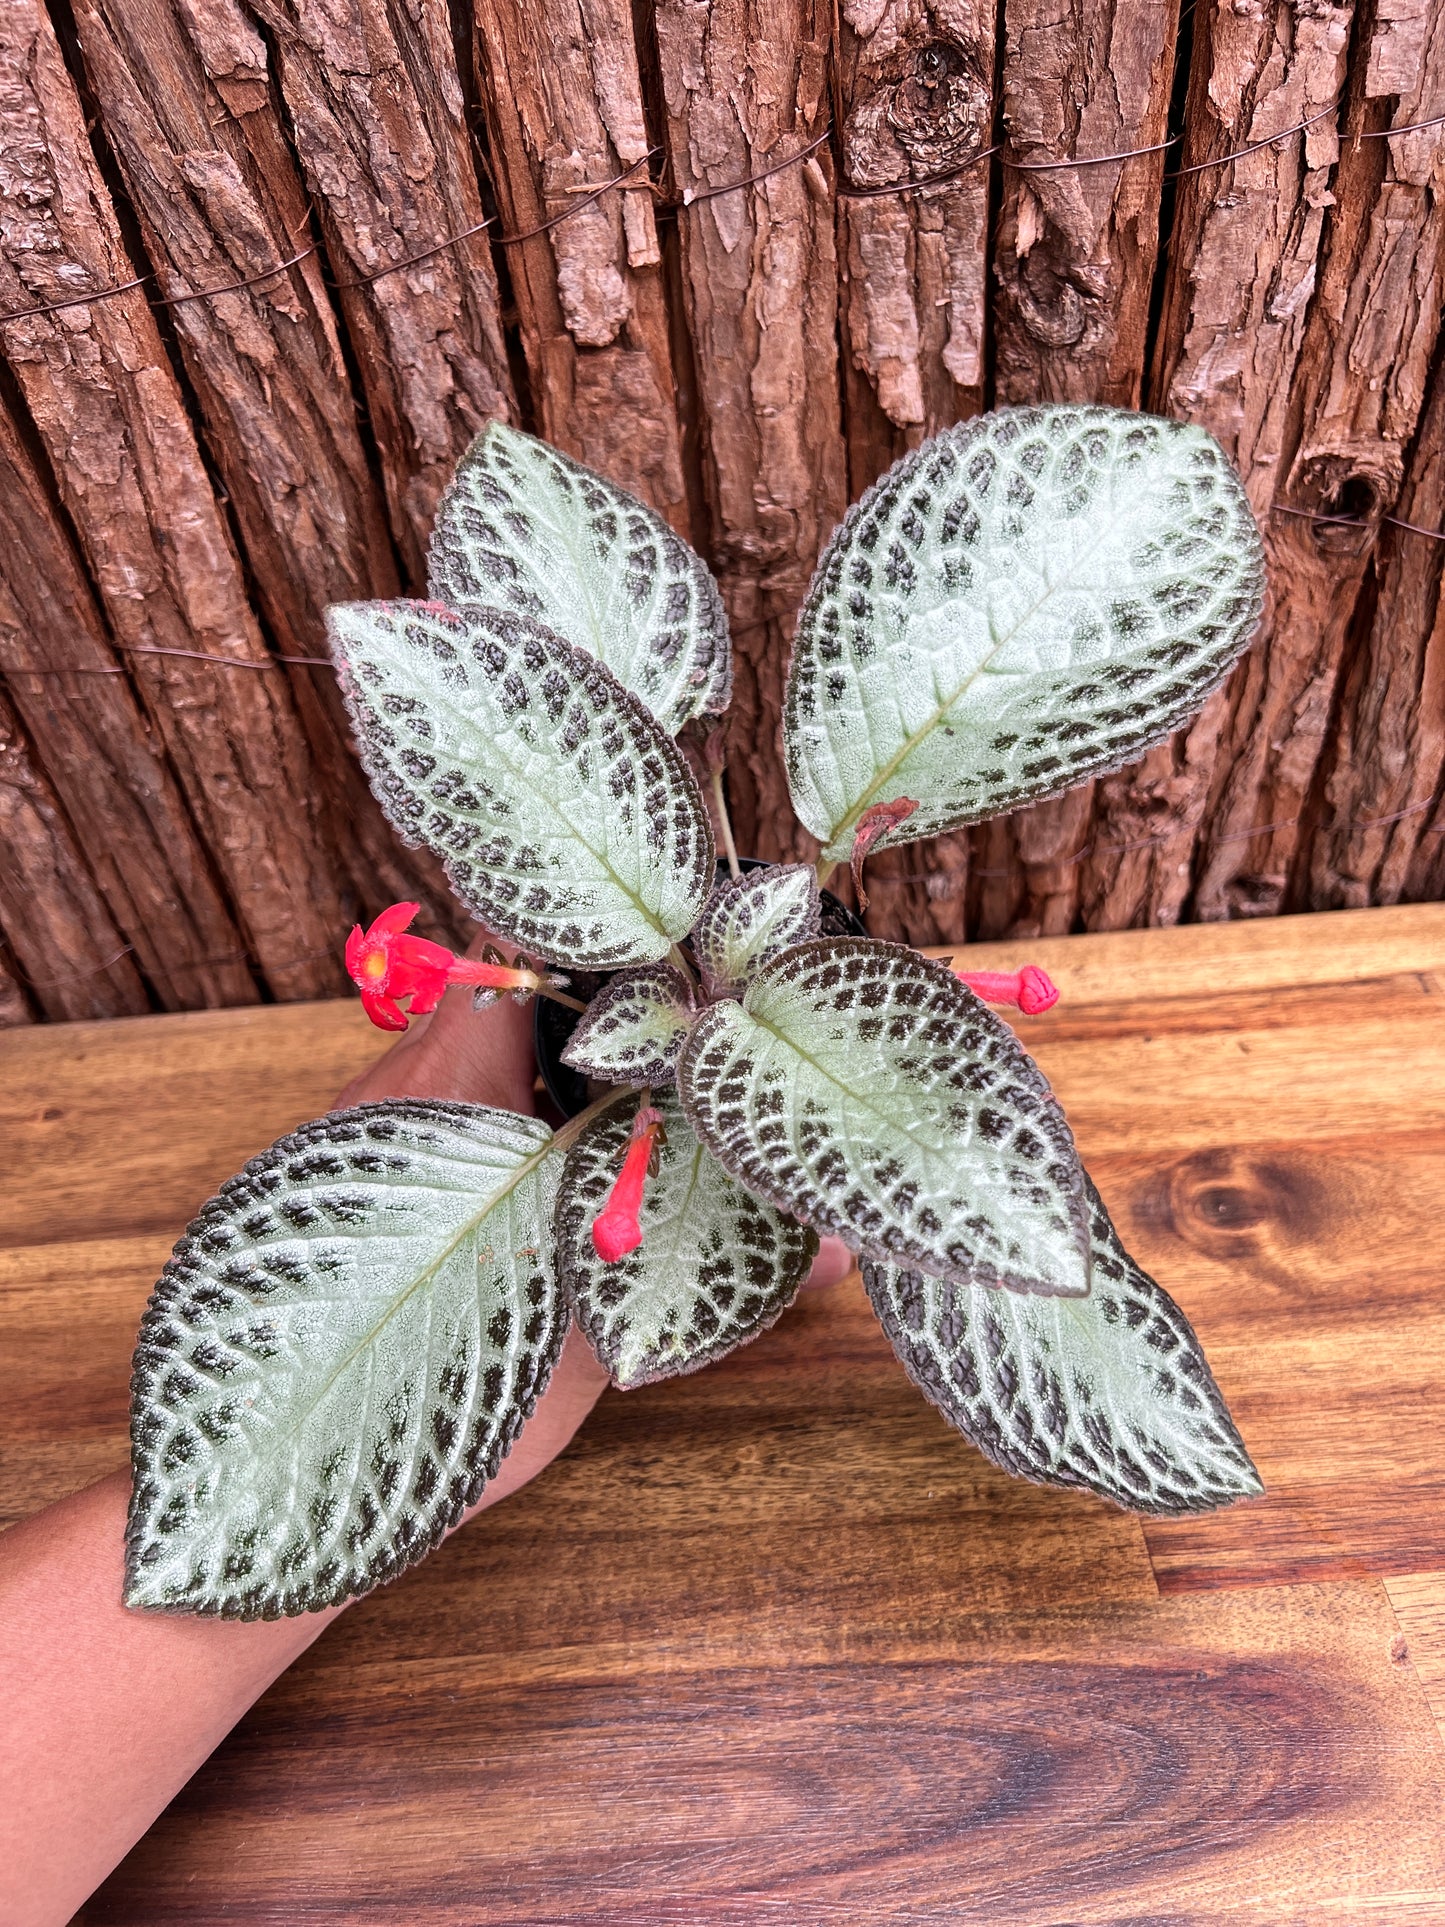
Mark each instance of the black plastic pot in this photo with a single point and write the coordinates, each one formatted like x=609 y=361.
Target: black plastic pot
x=553 y=1024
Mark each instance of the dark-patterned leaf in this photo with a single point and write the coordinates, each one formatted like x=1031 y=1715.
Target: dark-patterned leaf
x=338 y=1356
x=568 y=820
x=633 y=1030
x=524 y=527
x=866 y=1091
x=715 y=1266
x=752 y=918
x=1031 y=598
x=1111 y=1392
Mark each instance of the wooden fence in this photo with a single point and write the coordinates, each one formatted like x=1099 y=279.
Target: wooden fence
x=267 y=265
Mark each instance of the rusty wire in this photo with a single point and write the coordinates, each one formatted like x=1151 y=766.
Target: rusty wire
x=692 y=197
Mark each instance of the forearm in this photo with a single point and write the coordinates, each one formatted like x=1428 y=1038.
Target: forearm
x=107 y=1712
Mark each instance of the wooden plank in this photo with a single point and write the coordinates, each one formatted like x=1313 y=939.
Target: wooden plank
x=1418 y=1600
x=1250 y=1760
x=1185 y=960
x=772 y=1640
x=123 y=1128
x=759 y=275
x=192 y=122
x=104 y=399
x=563 y=94
x=68 y=1318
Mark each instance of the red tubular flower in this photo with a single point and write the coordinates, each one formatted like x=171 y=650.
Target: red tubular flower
x=1029 y=989
x=617 y=1228
x=385 y=963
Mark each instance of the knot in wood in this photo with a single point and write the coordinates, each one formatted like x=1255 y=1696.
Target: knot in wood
x=1356 y=481
x=929 y=109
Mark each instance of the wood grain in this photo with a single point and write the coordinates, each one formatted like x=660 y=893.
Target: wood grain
x=771 y=1641
x=1418 y=1599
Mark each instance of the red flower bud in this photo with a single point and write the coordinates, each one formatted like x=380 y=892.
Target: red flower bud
x=1029 y=989
x=617 y=1228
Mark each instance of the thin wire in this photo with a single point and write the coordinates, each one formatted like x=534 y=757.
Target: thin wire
x=692 y=198
x=1094 y=160
x=76 y=300
x=847 y=193
x=1410 y=127
x=1356 y=522
x=233 y=287
x=1223 y=160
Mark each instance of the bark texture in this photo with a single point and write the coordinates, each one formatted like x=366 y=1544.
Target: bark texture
x=745 y=86
x=378 y=117
x=743 y=334
x=88 y=731
x=219 y=199
x=105 y=402
x=563 y=93
x=73 y=960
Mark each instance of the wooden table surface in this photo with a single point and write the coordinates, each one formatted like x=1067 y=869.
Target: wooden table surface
x=773 y=1644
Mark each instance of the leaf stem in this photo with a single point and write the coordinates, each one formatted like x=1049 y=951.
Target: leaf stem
x=720 y=802
x=559 y=997
x=678 y=958
x=825 y=868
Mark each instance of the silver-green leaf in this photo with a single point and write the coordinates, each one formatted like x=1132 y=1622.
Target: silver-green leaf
x=1029 y=599
x=866 y=1091
x=633 y=1030
x=522 y=526
x=338 y=1356
x=747 y=921
x=567 y=818
x=1111 y=1393
x=716 y=1266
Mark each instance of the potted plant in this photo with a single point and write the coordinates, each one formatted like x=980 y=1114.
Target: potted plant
x=351 y=1334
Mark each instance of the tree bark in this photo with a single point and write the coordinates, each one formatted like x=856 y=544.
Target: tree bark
x=1381 y=837
x=1244 y=263
x=1074 y=262
x=378 y=118
x=916 y=88
x=917 y=94
x=745 y=87
x=91 y=737
x=74 y=961
x=219 y=199
x=13 y=1008
x=1358 y=396
x=105 y=402
x=563 y=93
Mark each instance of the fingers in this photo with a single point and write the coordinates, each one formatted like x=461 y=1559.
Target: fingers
x=469 y=1056
x=831 y=1266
